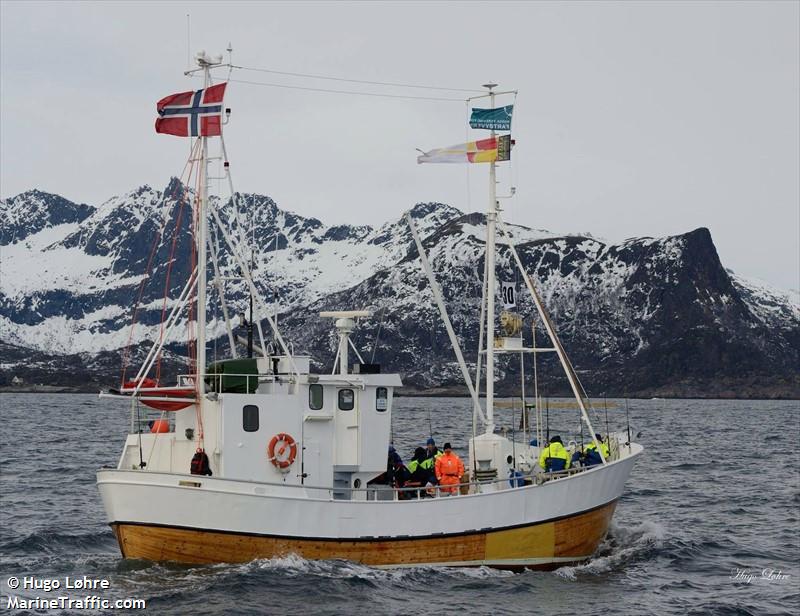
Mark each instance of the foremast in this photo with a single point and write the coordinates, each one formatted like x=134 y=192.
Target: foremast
x=183 y=115
x=201 y=239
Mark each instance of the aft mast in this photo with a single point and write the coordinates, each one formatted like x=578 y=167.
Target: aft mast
x=490 y=151
x=491 y=223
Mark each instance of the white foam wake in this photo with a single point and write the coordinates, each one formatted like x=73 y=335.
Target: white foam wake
x=622 y=546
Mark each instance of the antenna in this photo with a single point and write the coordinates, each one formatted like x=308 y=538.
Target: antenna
x=345 y=324
x=188 y=42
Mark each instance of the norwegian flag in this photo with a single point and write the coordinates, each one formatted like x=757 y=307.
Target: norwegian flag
x=192 y=114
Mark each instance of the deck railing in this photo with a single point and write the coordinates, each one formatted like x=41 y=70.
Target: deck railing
x=374 y=492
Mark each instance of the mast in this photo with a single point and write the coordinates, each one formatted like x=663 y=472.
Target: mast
x=202 y=246
x=491 y=222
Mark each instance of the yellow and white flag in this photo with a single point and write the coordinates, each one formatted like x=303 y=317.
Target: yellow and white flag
x=481 y=151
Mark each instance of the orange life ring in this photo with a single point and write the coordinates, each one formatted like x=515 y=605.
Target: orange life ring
x=286 y=441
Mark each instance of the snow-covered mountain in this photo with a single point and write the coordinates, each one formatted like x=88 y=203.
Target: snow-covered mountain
x=33 y=211
x=657 y=316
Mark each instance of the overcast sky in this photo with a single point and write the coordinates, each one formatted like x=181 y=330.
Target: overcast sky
x=632 y=119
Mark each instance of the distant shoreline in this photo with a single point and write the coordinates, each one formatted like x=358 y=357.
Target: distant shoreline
x=444 y=392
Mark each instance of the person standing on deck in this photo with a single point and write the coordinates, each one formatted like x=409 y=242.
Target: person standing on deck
x=554 y=457
x=592 y=458
x=418 y=476
x=418 y=472
x=432 y=453
x=394 y=467
x=449 y=470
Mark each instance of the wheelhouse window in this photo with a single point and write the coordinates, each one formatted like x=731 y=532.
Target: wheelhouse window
x=250 y=418
x=347 y=399
x=381 y=399
x=315 y=397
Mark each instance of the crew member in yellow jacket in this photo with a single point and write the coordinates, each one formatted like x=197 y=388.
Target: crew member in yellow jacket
x=591 y=456
x=554 y=457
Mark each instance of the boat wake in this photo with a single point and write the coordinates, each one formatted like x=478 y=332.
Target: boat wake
x=293 y=565
x=623 y=546
x=295 y=579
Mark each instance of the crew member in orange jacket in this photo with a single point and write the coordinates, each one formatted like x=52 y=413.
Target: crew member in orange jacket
x=449 y=470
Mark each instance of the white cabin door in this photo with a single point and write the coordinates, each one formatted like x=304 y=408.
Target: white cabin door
x=347 y=415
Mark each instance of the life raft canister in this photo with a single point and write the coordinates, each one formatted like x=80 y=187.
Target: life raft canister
x=285 y=441
x=159 y=426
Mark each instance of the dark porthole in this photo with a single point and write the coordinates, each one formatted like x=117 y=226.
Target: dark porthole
x=250 y=418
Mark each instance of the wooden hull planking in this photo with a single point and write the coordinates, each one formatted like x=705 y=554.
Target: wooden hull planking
x=542 y=545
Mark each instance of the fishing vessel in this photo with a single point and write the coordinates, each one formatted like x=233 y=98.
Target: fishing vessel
x=260 y=457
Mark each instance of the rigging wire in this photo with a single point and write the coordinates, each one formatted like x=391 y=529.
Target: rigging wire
x=538 y=401
x=466 y=140
x=175 y=234
x=155 y=440
x=477 y=408
x=378 y=334
x=216 y=288
x=220 y=299
x=186 y=173
x=547 y=420
x=513 y=170
x=195 y=368
x=332 y=91
x=361 y=81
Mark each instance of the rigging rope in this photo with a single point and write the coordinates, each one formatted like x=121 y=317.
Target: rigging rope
x=185 y=173
x=378 y=335
x=192 y=342
x=155 y=440
x=466 y=140
x=175 y=235
x=512 y=167
x=538 y=400
x=331 y=91
x=362 y=81
x=136 y=306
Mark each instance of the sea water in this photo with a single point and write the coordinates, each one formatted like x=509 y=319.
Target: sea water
x=708 y=523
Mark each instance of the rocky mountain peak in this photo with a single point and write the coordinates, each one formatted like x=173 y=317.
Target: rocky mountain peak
x=34 y=210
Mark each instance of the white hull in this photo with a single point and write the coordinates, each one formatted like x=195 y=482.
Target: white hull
x=223 y=506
